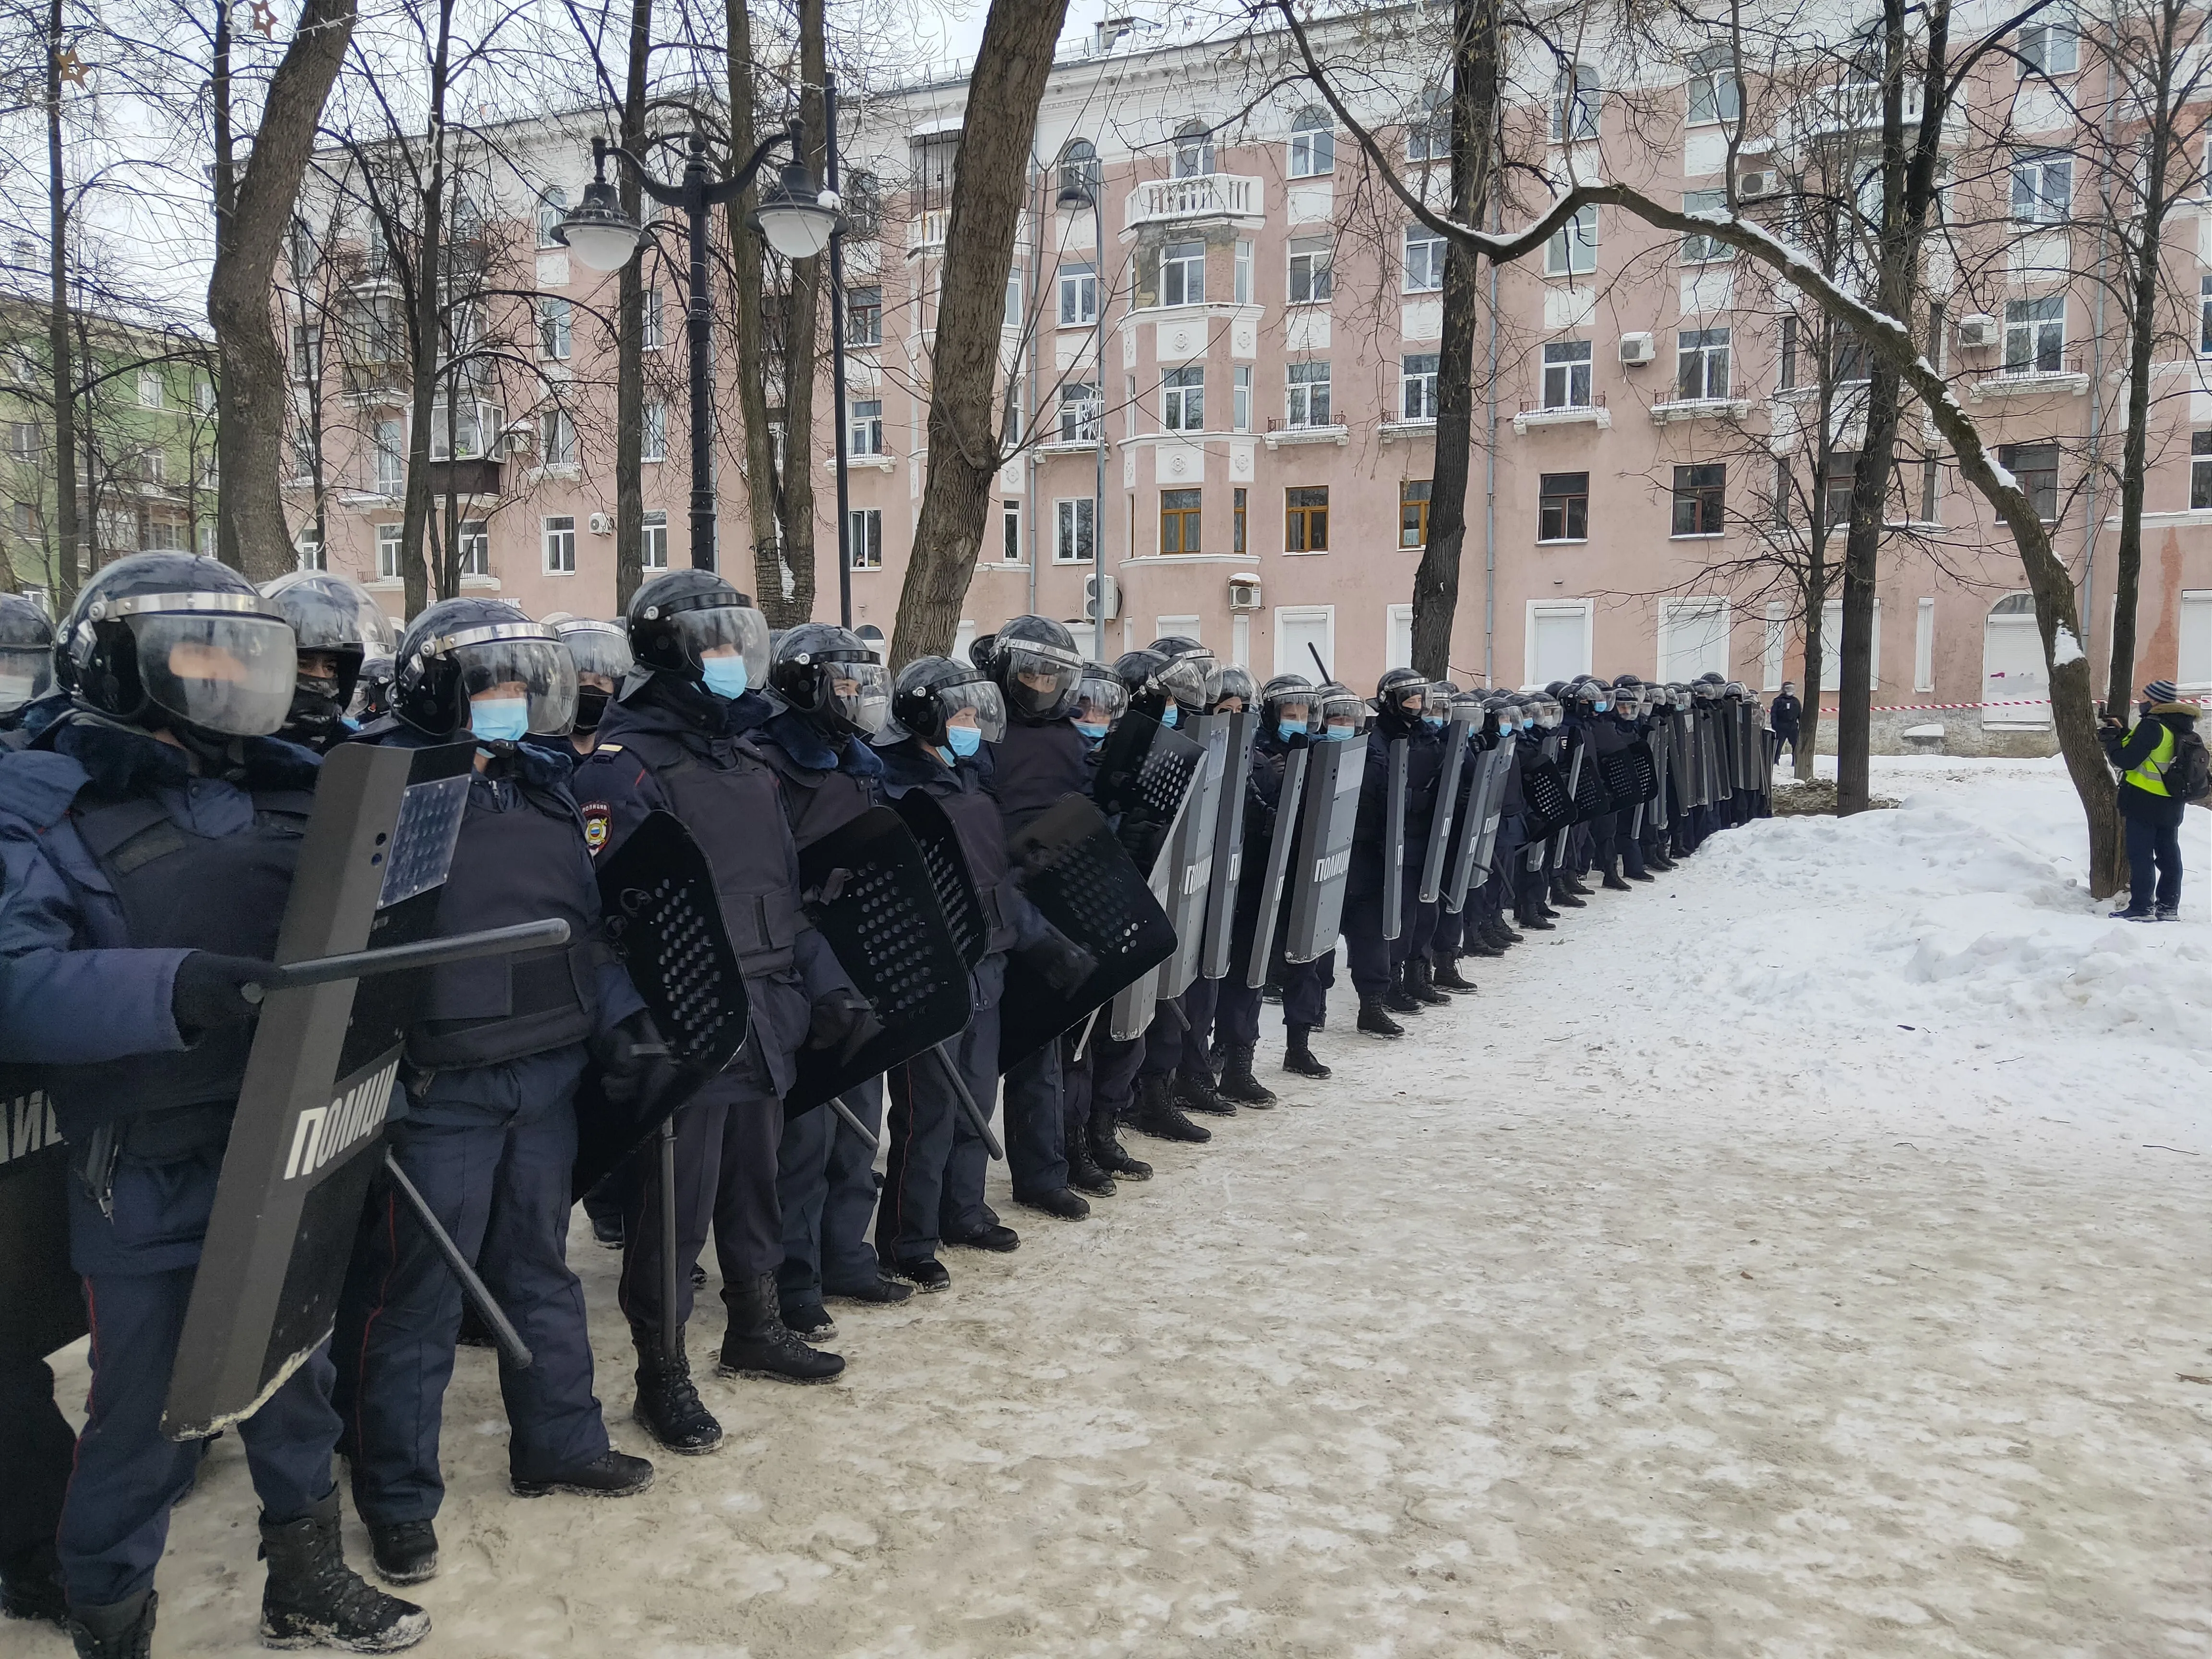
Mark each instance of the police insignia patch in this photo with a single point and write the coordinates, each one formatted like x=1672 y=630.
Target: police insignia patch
x=595 y=824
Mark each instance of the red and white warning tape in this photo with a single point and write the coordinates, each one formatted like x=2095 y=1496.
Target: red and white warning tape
x=1915 y=708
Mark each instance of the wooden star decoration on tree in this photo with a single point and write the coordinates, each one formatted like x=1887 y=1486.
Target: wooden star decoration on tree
x=70 y=66
x=263 y=16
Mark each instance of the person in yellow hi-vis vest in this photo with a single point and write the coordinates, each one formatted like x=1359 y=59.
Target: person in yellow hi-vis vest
x=2151 y=812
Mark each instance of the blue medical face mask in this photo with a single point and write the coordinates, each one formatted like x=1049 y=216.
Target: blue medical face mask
x=1288 y=729
x=1602 y=705
x=725 y=677
x=1340 y=734
x=499 y=720
x=964 y=741
x=1433 y=719
x=1167 y=715
x=1093 y=730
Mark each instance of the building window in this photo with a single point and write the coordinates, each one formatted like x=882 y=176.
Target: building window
x=864 y=528
x=1306 y=401
x=312 y=554
x=2048 y=46
x=1241 y=284
x=1305 y=525
x=1013 y=317
x=1182 y=274
x=653 y=441
x=1313 y=145
x=306 y=352
x=473 y=544
x=1785 y=378
x=1078 y=295
x=1079 y=166
x=1240 y=399
x=1417 y=386
x=1238 y=500
x=1572 y=251
x=150 y=388
x=1414 y=512
x=2042 y=187
x=1193 y=150
x=2200 y=472
x=552 y=209
x=1567 y=374
x=1424 y=260
x=387 y=552
x=1704 y=250
x=2035 y=335
x=1078 y=413
x=553 y=329
x=560 y=546
x=556 y=437
x=2034 y=467
x=1562 y=507
x=2204 y=313
x=390 y=446
x=651 y=337
x=1836 y=489
x=1179 y=510
x=864 y=316
x=1715 y=94
x=25 y=440
x=1010 y=532
x=1701 y=363
x=1182 y=400
x=863 y=204
x=1073 y=542
x=864 y=426
x=653 y=548
x=1701 y=494
x=1574 y=104
x=1428 y=131
x=1310 y=271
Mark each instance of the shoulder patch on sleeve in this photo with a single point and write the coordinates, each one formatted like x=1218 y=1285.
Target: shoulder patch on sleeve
x=596 y=819
x=607 y=749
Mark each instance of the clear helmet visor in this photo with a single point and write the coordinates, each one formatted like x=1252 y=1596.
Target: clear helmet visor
x=604 y=651
x=25 y=672
x=540 y=673
x=1039 y=684
x=330 y=613
x=1292 y=711
x=1102 y=701
x=723 y=630
x=1194 y=681
x=858 y=694
x=977 y=703
x=221 y=671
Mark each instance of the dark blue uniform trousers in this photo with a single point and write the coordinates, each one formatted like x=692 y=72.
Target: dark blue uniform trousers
x=115 y=1517
x=39 y=1446
x=1237 y=1008
x=1173 y=1045
x=490 y=1149
x=933 y=1172
x=1036 y=1103
x=1306 y=991
x=826 y=1182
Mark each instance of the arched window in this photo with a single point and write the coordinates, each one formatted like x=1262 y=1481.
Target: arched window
x=1574 y=104
x=1079 y=168
x=1428 y=132
x=1193 y=150
x=1313 y=144
x=552 y=209
x=2015 y=604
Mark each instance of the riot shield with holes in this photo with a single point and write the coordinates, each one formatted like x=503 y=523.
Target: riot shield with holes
x=41 y=1298
x=1576 y=754
x=1485 y=810
x=1080 y=877
x=1274 y=876
x=1436 y=853
x=1592 y=798
x=308 y=1134
x=869 y=894
x=1322 y=866
x=949 y=875
x=664 y=923
x=1144 y=772
x=1227 y=873
x=1544 y=792
x=1616 y=766
x=1192 y=850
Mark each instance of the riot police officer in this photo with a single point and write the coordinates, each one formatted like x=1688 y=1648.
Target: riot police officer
x=338 y=625
x=26 y=661
x=1377 y=979
x=1204 y=1048
x=492 y=1063
x=672 y=740
x=602 y=656
x=149 y=837
x=1287 y=723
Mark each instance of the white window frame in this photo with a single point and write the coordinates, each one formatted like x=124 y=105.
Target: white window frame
x=2049 y=44
x=1302 y=409
x=1774 y=647
x=1313 y=144
x=555 y=320
x=1423 y=254
x=153 y=393
x=1576 y=96
x=1568 y=366
x=1184 y=267
x=1240 y=399
x=1240 y=286
x=1182 y=398
x=2193 y=666
x=1073 y=524
x=1397 y=624
x=556 y=437
x=388 y=442
x=556 y=534
x=1417 y=387
x=1310 y=279
x=653 y=553
x=1923 y=645
x=1832 y=644
x=1704 y=347
x=1079 y=294
x=652 y=435
x=1011 y=548
x=865 y=536
x=2036 y=199
x=864 y=426
x=472 y=547
x=1572 y=249
x=2037 y=327
x=387 y=552
x=651 y=337
x=552 y=208
x=1079 y=416
x=1715 y=96
x=1704 y=250
x=1586 y=609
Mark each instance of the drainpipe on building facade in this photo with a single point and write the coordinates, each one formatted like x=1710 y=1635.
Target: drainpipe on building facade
x=1036 y=310
x=1490 y=490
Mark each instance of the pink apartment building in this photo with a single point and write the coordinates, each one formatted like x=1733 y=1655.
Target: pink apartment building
x=1265 y=407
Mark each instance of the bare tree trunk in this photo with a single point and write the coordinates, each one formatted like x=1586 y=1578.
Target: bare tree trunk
x=424 y=339
x=1816 y=597
x=226 y=207
x=1863 y=540
x=629 y=332
x=62 y=370
x=251 y=438
x=747 y=252
x=1473 y=121
x=801 y=332
x=995 y=140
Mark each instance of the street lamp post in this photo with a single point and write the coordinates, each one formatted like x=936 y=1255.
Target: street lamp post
x=797 y=218
x=1077 y=193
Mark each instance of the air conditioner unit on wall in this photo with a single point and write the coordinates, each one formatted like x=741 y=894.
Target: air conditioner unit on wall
x=1636 y=349
x=1090 y=592
x=603 y=524
x=1244 y=591
x=1758 y=184
x=1978 y=331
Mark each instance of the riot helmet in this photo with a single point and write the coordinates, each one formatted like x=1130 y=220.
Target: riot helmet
x=602 y=654
x=172 y=640
x=372 y=691
x=1549 y=712
x=335 y=624
x=1734 y=688
x=1157 y=680
x=480 y=666
x=1400 y=697
x=1179 y=650
x=693 y=625
x=1035 y=662
x=1341 y=714
x=1288 y=707
x=1101 y=699
x=936 y=699
x=27 y=653
x=1236 y=683
x=830 y=675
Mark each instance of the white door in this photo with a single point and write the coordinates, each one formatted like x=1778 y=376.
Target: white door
x=2013 y=671
x=1301 y=631
x=1559 y=641
x=2194 y=671
x=1398 y=634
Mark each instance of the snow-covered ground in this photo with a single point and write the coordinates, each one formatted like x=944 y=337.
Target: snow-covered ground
x=1803 y=1256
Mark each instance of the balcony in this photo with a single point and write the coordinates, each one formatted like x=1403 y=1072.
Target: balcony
x=1593 y=413
x=1280 y=432
x=1852 y=108
x=1233 y=196
x=2063 y=376
x=1700 y=409
x=925 y=232
x=472 y=475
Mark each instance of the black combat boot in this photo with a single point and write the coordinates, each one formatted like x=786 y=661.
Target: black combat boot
x=117 y=1629
x=31 y=1586
x=1613 y=883
x=1375 y=1021
x=759 y=1344
x=1573 y=884
x=1158 y=1115
x=611 y=1475
x=1085 y=1173
x=1561 y=899
x=1449 y=978
x=404 y=1552
x=668 y=1405
x=1058 y=1202
x=314 y=1600
x=1533 y=919
x=1658 y=861
x=1298 y=1059
x=1107 y=1150
x=1200 y=1094
x=1418 y=985
x=1238 y=1083
x=1397 y=999
x=1499 y=932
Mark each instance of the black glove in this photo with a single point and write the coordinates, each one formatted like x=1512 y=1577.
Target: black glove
x=1063 y=963
x=636 y=1065
x=843 y=1023
x=207 y=990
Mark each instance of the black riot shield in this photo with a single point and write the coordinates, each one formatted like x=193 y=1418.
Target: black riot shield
x=1696 y=732
x=1544 y=790
x=308 y=1132
x=1660 y=742
x=1578 y=757
x=1228 y=845
x=1587 y=779
x=1433 y=856
x=1394 y=842
x=1274 y=878
x=1322 y=863
x=1144 y=774
x=1486 y=807
x=1679 y=759
x=1723 y=750
x=1616 y=772
x=948 y=874
x=41 y=1298
x=1080 y=877
x=869 y=895
x=664 y=922
x=1752 y=745
x=1193 y=848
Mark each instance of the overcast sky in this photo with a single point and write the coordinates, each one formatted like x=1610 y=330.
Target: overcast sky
x=961 y=26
